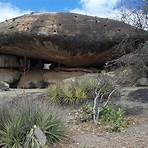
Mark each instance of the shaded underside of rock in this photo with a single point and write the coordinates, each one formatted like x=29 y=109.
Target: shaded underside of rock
x=68 y=38
x=8 y=61
x=10 y=76
x=43 y=78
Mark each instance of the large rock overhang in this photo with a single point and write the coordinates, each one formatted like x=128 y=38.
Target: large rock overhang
x=70 y=39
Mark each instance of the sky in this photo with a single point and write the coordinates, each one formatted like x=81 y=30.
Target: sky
x=101 y=8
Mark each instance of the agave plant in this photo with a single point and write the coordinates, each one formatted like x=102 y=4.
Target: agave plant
x=29 y=125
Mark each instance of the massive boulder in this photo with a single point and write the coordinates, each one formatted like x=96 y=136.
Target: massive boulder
x=67 y=38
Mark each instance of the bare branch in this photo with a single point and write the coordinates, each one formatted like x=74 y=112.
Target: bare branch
x=109 y=97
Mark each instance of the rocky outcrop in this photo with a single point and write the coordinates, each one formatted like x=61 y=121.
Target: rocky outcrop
x=66 y=38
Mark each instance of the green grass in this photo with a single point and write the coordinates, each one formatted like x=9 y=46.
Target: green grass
x=20 y=123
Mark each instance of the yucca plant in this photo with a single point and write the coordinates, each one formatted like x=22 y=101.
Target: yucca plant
x=29 y=125
x=55 y=92
x=73 y=92
x=88 y=85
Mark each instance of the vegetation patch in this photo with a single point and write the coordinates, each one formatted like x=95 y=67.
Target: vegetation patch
x=74 y=91
x=97 y=109
x=111 y=117
x=29 y=125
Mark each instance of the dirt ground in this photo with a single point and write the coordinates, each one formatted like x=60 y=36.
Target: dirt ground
x=88 y=135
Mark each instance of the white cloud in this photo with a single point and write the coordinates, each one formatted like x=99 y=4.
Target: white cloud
x=101 y=8
x=9 y=11
x=108 y=9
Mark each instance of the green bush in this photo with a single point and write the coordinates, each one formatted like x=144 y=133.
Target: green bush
x=73 y=92
x=29 y=125
x=113 y=117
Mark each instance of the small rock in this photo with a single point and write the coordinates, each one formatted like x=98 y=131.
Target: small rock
x=40 y=136
x=4 y=86
x=142 y=82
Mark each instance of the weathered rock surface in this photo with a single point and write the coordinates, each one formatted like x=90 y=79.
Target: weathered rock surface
x=121 y=77
x=67 y=38
x=144 y=53
x=42 y=78
x=4 y=86
x=8 y=61
x=32 y=79
x=9 y=76
x=142 y=82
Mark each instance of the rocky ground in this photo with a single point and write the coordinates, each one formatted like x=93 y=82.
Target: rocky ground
x=136 y=136
x=135 y=100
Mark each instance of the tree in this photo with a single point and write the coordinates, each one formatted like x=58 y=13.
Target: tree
x=137 y=18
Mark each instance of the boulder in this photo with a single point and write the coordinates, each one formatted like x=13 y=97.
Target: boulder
x=134 y=101
x=67 y=38
x=142 y=82
x=88 y=76
x=121 y=77
x=4 y=86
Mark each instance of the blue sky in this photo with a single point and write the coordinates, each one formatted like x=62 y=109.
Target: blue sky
x=44 y=5
x=102 y=8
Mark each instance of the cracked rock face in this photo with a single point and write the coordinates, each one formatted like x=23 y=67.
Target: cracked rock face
x=67 y=38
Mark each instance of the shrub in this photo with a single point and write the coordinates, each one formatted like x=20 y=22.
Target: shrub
x=86 y=113
x=89 y=85
x=111 y=117
x=29 y=125
x=55 y=92
x=73 y=92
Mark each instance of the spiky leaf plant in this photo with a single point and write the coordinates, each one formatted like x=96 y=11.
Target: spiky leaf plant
x=17 y=124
